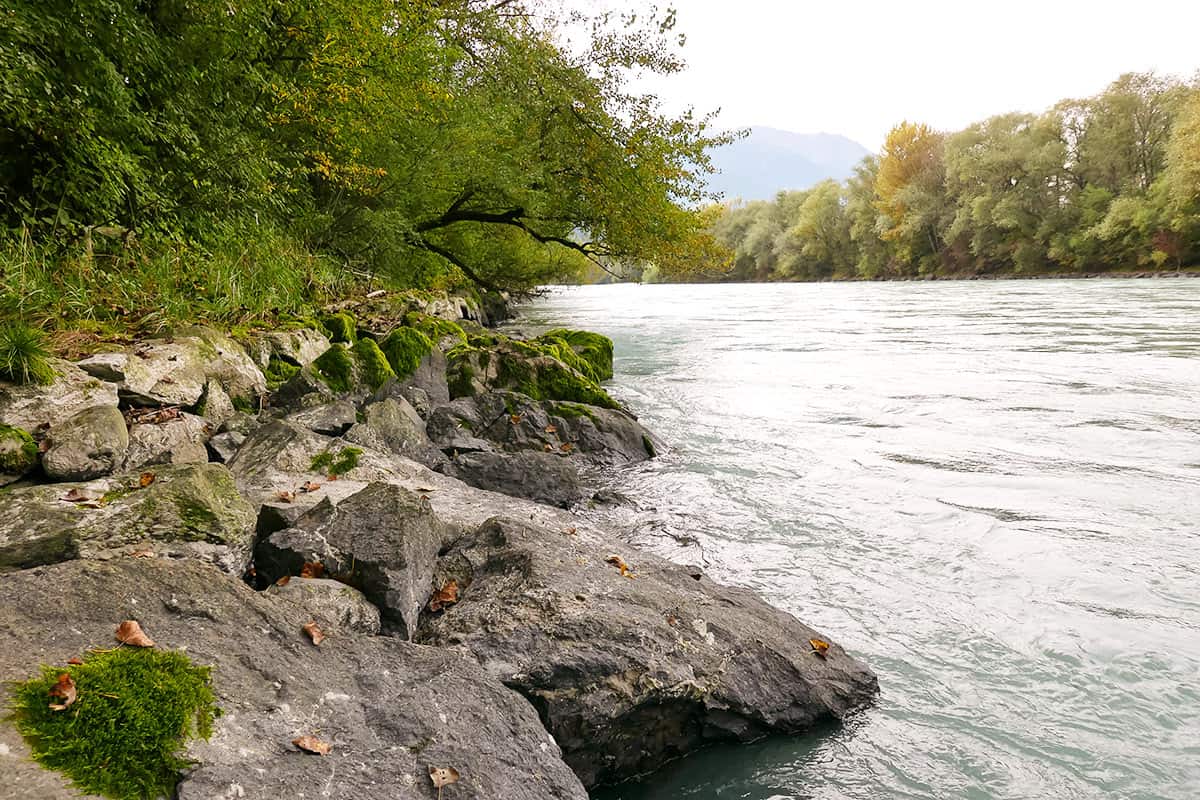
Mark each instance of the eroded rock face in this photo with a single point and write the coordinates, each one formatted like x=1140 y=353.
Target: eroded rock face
x=177 y=441
x=383 y=540
x=331 y=419
x=87 y=445
x=174 y=371
x=541 y=477
x=72 y=391
x=332 y=604
x=189 y=511
x=629 y=672
x=389 y=709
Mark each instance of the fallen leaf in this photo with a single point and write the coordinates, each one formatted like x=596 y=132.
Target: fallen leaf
x=78 y=496
x=75 y=662
x=442 y=777
x=146 y=479
x=445 y=596
x=283 y=581
x=819 y=647
x=620 y=564
x=311 y=744
x=566 y=447
x=551 y=429
x=515 y=419
x=64 y=690
x=310 y=486
x=314 y=633
x=130 y=633
x=312 y=569
x=570 y=531
x=141 y=554
x=549 y=448
x=286 y=497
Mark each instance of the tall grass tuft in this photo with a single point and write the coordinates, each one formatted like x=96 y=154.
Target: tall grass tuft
x=24 y=355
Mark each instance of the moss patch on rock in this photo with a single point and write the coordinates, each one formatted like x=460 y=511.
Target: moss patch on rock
x=374 y=367
x=18 y=451
x=336 y=368
x=539 y=370
x=590 y=353
x=436 y=329
x=125 y=734
x=340 y=464
x=405 y=348
x=279 y=372
x=341 y=327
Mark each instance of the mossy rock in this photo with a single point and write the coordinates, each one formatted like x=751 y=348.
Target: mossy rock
x=124 y=736
x=374 y=367
x=493 y=362
x=338 y=464
x=341 y=327
x=405 y=348
x=593 y=352
x=279 y=372
x=18 y=451
x=443 y=332
x=336 y=368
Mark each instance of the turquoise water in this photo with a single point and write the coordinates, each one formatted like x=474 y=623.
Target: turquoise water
x=990 y=492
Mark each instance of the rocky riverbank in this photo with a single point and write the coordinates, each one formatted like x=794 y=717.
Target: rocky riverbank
x=403 y=477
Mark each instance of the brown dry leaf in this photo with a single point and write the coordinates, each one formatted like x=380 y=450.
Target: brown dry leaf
x=515 y=419
x=620 y=564
x=566 y=447
x=442 y=777
x=64 y=690
x=311 y=744
x=421 y=490
x=445 y=596
x=286 y=497
x=310 y=486
x=549 y=448
x=819 y=647
x=146 y=479
x=130 y=633
x=551 y=429
x=570 y=531
x=283 y=581
x=312 y=569
x=315 y=633
x=75 y=662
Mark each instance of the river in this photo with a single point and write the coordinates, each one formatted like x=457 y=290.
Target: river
x=989 y=492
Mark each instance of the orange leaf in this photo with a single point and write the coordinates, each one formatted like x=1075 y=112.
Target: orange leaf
x=311 y=744
x=819 y=647
x=566 y=447
x=283 y=581
x=64 y=690
x=310 y=486
x=146 y=479
x=445 y=596
x=312 y=569
x=551 y=429
x=515 y=419
x=141 y=554
x=314 y=633
x=443 y=776
x=130 y=633
x=570 y=531
x=620 y=564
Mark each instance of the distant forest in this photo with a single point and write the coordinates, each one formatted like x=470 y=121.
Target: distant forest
x=1110 y=182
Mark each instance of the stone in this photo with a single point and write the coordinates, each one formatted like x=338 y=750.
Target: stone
x=89 y=444
x=224 y=446
x=392 y=425
x=300 y=347
x=418 y=398
x=331 y=419
x=73 y=390
x=18 y=454
x=177 y=441
x=105 y=366
x=496 y=363
x=383 y=540
x=628 y=673
x=390 y=709
x=216 y=406
x=191 y=511
x=541 y=477
x=174 y=371
x=334 y=605
x=430 y=377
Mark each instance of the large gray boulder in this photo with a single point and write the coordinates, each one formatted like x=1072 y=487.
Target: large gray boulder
x=88 y=445
x=173 y=371
x=184 y=511
x=389 y=709
x=384 y=540
x=541 y=477
x=392 y=425
x=180 y=440
x=333 y=604
x=73 y=390
x=631 y=667
x=331 y=419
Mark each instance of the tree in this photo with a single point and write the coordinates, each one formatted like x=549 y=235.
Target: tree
x=910 y=193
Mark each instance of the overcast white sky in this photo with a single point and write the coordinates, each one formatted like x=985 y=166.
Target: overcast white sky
x=857 y=67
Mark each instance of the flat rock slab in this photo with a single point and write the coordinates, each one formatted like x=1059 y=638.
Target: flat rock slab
x=630 y=668
x=389 y=709
x=72 y=391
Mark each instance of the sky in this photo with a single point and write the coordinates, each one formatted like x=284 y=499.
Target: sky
x=858 y=67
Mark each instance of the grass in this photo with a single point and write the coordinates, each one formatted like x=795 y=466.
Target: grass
x=343 y=462
x=24 y=355
x=125 y=735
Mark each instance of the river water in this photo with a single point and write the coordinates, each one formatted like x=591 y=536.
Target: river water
x=989 y=492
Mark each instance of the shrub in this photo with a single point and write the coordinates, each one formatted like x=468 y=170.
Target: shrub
x=24 y=355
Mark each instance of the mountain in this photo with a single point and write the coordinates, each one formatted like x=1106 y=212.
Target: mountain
x=770 y=160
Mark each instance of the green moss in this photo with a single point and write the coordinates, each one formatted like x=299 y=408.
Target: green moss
x=372 y=364
x=243 y=404
x=343 y=462
x=590 y=353
x=651 y=451
x=336 y=368
x=279 y=372
x=551 y=380
x=340 y=327
x=124 y=736
x=405 y=348
x=24 y=355
x=572 y=411
x=436 y=329
x=197 y=518
x=18 y=451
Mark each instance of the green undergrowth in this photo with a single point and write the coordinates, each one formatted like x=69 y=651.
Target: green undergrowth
x=125 y=735
x=279 y=372
x=345 y=460
x=24 y=355
x=405 y=348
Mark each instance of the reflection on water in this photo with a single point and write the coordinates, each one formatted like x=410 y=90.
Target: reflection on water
x=988 y=491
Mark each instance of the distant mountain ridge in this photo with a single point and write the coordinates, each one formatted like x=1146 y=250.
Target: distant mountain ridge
x=770 y=160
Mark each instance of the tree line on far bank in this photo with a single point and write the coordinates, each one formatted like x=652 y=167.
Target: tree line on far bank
x=1110 y=182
